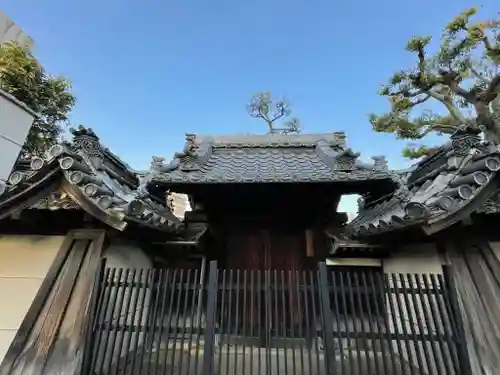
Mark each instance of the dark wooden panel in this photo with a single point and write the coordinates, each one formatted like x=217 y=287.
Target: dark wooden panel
x=51 y=337
x=475 y=277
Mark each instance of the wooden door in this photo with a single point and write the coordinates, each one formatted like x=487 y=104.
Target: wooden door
x=276 y=258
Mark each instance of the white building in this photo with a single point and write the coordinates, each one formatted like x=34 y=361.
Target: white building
x=15 y=118
x=9 y=31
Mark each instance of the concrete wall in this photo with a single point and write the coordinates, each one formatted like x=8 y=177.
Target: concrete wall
x=24 y=262
x=9 y=31
x=15 y=123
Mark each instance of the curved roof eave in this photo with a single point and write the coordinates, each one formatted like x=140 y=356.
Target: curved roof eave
x=92 y=188
x=457 y=184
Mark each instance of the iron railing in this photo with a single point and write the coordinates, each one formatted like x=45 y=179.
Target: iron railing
x=326 y=321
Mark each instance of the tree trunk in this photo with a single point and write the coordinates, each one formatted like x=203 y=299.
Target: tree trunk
x=487 y=118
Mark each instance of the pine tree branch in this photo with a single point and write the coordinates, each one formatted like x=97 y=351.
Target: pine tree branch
x=493 y=89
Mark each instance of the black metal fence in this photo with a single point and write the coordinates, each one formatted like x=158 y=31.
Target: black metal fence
x=329 y=321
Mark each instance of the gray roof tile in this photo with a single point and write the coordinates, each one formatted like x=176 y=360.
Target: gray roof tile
x=439 y=191
x=269 y=158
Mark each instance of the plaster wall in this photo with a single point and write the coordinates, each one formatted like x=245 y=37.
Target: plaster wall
x=24 y=263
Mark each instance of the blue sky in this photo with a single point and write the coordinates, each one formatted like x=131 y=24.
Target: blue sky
x=145 y=72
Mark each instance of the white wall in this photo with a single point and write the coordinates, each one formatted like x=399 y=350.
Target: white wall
x=15 y=122
x=24 y=263
x=9 y=31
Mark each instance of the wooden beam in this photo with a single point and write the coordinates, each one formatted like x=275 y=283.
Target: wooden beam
x=354 y=262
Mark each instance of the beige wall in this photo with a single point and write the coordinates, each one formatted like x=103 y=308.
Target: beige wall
x=24 y=262
x=418 y=258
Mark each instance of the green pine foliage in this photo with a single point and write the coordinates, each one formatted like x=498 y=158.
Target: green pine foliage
x=50 y=97
x=463 y=76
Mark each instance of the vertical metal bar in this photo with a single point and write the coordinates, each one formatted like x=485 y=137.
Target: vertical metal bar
x=222 y=312
x=174 y=327
x=185 y=320
x=208 y=355
x=237 y=321
x=284 y=312
x=292 y=320
x=411 y=321
x=445 y=317
x=165 y=287
x=92 y=317
x=300 y=319
x=170 y=313
x=245 y=281
x=131 y=326
x=327 y=319
x=337 y=321
x=276 y=317
x=106 y=327
x=268 y=319
x=437 y=349
x=230 y=310
x=101 y=316
x=346 y=319
x=252 y=321
x=445 y=348
x=157 y=277
x=193 y=290
x=182 y=287
x=306 y=302
x=148 y=325
x=393 y=313
x=259 y=322
x=364 y=333
x=315 y=290
x=109 y=349
x=140 y=327
x=451 y=293
x=357 y=334
x=403 y=323
x=201 y=285
x=375 y=328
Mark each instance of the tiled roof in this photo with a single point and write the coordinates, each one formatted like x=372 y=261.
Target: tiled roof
x=439 y=191
x=93 y=178
x=267 y=158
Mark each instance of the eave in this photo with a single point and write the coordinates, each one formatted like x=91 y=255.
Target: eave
x=90 y=186
x=461 y=178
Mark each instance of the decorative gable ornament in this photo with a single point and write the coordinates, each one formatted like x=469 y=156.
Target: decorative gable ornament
x=85 y=139
x=464 y=139
x=346 y=160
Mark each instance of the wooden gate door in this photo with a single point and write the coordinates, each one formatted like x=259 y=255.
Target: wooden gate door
x=276 y=257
